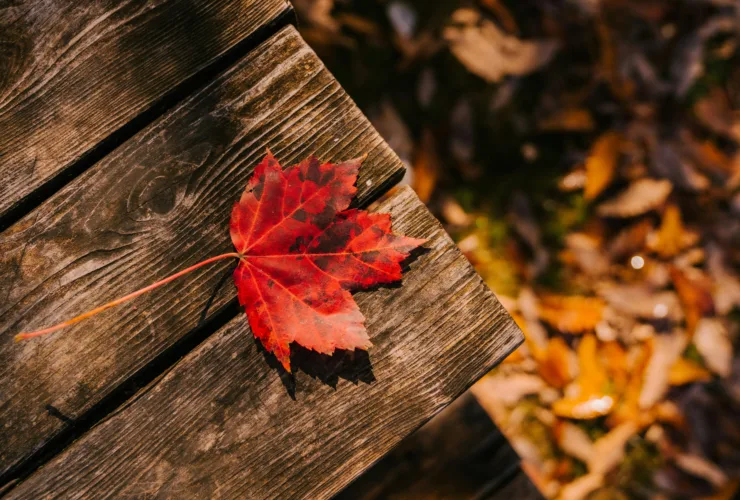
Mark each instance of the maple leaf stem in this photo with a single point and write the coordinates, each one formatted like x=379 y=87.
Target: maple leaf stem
x=133 y=295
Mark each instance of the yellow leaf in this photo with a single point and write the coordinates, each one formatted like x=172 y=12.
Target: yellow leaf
x=628 y=409
x=592 y=400
x=672 y=237
x=601 y=164
x=642 y=196
x=685 y=371
x=574 y=314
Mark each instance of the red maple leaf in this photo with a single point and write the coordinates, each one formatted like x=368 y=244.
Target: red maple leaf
x=302 y=252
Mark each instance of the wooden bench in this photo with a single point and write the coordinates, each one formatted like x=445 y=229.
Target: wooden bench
x=129 y=129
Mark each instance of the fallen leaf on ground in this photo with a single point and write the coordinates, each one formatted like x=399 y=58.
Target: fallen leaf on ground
x=426 y=167
x=555 y=363
x=510 y=389
x=571 y=314
x=713 y=343
x=568 y=119
x=685 y=371
x=695 y=294
x=698 y=466
x=591 y=400
x=640 y=197
x=602 y=164
x=574 y=441
x=628 y=408
x=630 y=240
x=490 y=53
x=582 y=487
x=726 y=290
x=642 y=302
x=609 y=450
x=672 y=237
x=666 y=350
x=302 y=252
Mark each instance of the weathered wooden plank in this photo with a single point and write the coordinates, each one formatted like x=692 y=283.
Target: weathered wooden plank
x=159 y=203
x=221 y=424
x=460 y=453
x=73 y=72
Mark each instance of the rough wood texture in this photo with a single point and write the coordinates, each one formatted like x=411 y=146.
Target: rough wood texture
x=161 y=202
x=221 y=424
x=460 y=453
x=73 y=72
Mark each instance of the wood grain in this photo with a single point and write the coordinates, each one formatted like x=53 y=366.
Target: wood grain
x=460 y=453
x=221 y=423
x=73 y=72
x=160 y=203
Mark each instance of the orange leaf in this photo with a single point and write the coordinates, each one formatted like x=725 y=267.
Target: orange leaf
x=672 y=237
x=426 y=167
x=592 y=401
x=601 y=164
x=695 y=295
x=573 y=314
x=554 y=365
x=685 y=371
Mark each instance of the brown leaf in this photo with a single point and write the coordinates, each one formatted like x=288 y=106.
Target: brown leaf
x=630 y=240
x=601 y=164
x=426 y=167
x=640 y=197
x=695 y=295
x=726 y=292
x=490 y=53
x=716 y=113
x=502 y=13
x=568 y=120
x=713 y=343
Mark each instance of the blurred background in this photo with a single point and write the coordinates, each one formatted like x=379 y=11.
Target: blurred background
x=584 y=155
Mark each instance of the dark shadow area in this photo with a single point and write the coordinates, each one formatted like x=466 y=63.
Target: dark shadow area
x=414 y=255
x=460 y=453
x=353 y=366
x=219 y=286
x=54 y=412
